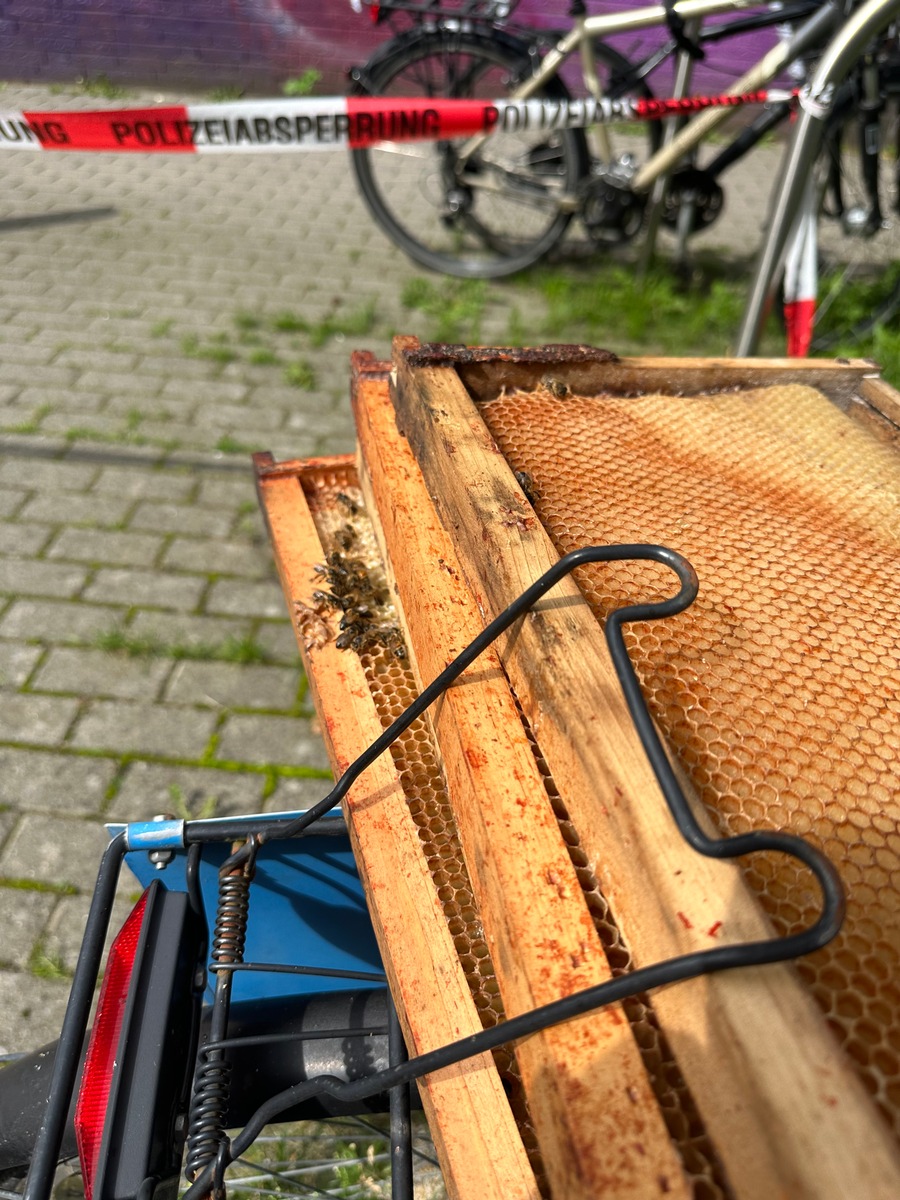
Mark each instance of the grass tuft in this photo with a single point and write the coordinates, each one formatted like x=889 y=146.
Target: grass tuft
x=454 y=308
x=43 y=965
x=101 y=86
x=289 y=322
x=38 y=885
x=303 y=84
x=300 y=374
x=215 y=351
x=242 y=650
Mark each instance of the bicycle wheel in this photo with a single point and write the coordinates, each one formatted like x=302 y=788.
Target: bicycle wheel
x=513 y=199
x=858 y=242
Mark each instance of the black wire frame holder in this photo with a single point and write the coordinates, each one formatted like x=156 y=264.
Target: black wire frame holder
x=402 y=1072
x=677 y=969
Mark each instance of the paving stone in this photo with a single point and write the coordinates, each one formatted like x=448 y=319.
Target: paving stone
x=297 y=794
x=43 y=781
x=47 y=848
x=180 y=519
x=31 y=399
x=234 y=491
x=195 y=391
x=99 y=673
x=273 y=741
x=61 y=622
x=53 y=476
x=92 y=426
x=36 y=720
x=149 y=789
x=230 y=685
x=218 y=557
x=11 y=500
x=23 y=916
x=33 y=352
x=110 y=547
x=241 y=442
x=126 y=406
x=180 y=629
x=143 y=729
x=32 y=577
x=37 y=375
x=232 y=416
x=146 y=485
x=278 y=640
x=8 y=821
x=153 y=589
x=31 y=1011
x=94 y=359
x=23 y=539
x=172 y=435
x=53 y=508
x=17 y=662
x=106 y=382
x=63 y=935
x=157 y=360
x=238 y=598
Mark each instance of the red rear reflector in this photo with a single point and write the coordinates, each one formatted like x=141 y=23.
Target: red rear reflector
x=100 y=1062
x=374 y=12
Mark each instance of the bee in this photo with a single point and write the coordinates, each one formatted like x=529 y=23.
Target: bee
x=526 y=483
x=350 y=624
x=346 y=537
x=327 y=598
x=311 y=624
x=351 y=506
x=391 y=639
x=556 y=387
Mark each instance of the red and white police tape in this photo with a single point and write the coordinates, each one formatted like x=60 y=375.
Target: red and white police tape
x=329 y=122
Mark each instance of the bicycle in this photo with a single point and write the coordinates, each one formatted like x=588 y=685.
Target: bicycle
x=490 y=208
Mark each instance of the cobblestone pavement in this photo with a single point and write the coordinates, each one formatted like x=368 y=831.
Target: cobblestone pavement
x=162 y=317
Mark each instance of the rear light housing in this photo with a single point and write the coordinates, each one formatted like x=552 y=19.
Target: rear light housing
x=130 y=1113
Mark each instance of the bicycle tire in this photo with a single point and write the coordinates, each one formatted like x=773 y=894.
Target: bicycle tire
x=469 y=231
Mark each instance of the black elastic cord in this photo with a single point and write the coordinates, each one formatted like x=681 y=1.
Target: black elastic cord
x=674 y=970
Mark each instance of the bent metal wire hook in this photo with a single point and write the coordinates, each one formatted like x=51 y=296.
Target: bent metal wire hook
x=642 y=979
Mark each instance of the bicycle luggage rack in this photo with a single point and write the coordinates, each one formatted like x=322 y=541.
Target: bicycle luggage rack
x=516 y=849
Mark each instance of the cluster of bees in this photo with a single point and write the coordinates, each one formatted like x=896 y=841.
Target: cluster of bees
x=358 y=596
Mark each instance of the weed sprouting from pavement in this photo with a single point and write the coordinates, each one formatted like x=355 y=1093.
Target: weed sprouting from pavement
x=302 y=84
x=241 y=650
x=300 y=374
x=455 y=307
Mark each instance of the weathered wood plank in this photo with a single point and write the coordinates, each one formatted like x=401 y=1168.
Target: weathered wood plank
x=787 y=1114
x=590 y=371
x=882 y=397
x=597 y=1120
x=478 y=1144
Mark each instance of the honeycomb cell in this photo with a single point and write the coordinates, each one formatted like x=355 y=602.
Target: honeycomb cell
x=778 y=690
